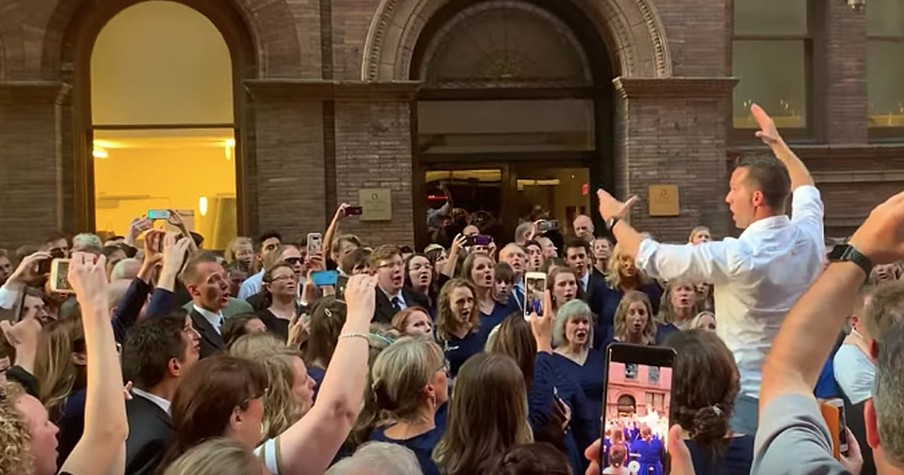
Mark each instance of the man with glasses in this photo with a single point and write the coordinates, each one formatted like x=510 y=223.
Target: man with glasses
x=267 y=243
x=391 y=296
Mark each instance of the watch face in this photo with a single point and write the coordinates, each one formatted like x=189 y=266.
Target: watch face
x=838 y=252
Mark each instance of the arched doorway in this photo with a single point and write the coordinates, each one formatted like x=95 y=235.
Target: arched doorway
x=515 y=112
x=627 y=406
x=155 y=82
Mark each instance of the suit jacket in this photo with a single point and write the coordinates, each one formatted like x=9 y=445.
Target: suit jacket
x=595 y=295
x=211 y=341
x=384 y=310
x=150 y=431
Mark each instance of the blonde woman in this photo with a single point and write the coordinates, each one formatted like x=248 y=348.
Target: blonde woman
x=290 y=393
x=622 y=277
x=458 y=323
x=575 y=358
x=241 y=250
x=699 y=235
x=705 y=320
x=634 y=320
x=219 y=456
x=410 y=384
x=480 y=269
x=678 y=308
x=480 y=429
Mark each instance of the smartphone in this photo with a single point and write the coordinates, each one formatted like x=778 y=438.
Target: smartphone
x=534 y=288
x=325 y=278
x=341 y=284
x=59 y=280
x=636 y=399
x=548 y=225
x=480 y=240
x=44 y=266
x=833 y=413
x=315 y=243
x=354 y=211
x=158 y=214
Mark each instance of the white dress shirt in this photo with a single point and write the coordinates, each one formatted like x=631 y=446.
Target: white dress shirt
x=251 y=286
x=401 y=299
x=215 y=319
x=159 y=401
x=757 y=277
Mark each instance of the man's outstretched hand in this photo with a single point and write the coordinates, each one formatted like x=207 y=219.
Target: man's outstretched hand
x=612 y=208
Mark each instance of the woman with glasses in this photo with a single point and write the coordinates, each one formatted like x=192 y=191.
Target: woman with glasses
x=410 y=382
x=281 y=287
x=419 y=276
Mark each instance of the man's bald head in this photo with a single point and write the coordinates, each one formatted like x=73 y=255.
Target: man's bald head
x=583 y=227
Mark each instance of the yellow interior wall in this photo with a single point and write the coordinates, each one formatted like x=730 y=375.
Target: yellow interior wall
x=138 y=179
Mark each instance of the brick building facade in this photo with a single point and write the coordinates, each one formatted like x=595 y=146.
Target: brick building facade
x=327 y=91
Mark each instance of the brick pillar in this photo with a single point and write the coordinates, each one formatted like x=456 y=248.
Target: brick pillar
x=288 y=158
x=31 y=181
x=673 y=131
x=840 y=105
x=373 y=150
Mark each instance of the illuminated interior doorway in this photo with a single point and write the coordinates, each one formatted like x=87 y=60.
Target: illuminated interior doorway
x=519 y=87
x=163 y=126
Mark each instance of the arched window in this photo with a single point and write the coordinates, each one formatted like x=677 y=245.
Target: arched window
x=885 y=20
x=162 y=120
x=627 y=404
x=771 y=51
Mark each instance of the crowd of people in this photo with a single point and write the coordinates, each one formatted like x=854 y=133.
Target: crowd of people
x=166 y=358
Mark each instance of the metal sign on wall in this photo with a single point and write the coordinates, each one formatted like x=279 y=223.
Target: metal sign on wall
x=663 y=200
x=377 y=204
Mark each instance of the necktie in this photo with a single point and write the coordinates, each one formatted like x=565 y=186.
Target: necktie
x=397 y=304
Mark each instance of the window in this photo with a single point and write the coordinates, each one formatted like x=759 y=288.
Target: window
x=656 y=402
x=770 y=54
x=630 y=371
x=653 y=373
x=884 y=68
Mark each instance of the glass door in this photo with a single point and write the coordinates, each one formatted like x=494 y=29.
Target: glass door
x=559 y=193
x=456 y=197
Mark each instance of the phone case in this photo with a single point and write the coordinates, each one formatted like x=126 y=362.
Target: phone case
x=59 y=279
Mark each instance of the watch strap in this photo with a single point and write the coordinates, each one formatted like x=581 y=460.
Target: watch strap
x=852 y=254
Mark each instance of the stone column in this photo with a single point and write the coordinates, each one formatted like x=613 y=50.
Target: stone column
x=673 y=131
x=284 y=159
x=373 y=150
x=31 y=178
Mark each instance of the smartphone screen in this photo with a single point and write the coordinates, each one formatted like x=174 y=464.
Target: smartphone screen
x=483 y=240
x=534 y=287
x=315 y=243
x=636 y=408
x=548 y=225
x=341 y=283
x=325 y=278
x=354 y=211
x=59 y=277
x=158 y=214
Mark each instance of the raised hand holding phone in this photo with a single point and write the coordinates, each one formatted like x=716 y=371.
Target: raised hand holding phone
x=541 y=324
x=28 y=268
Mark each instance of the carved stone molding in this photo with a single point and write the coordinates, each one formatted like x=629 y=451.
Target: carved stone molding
x=33 y=92
x=317 y=90
x=629 y=88
x=639 y=52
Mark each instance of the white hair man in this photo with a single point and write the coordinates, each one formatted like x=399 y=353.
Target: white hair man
x=378 y=458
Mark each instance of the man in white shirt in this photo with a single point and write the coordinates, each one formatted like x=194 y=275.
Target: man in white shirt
x=157 y=353
x=760 y=275
x=268 y=243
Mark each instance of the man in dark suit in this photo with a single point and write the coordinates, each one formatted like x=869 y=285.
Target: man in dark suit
x=207 y=283
x=391 y=295
x=593 y=284
x=156 y=355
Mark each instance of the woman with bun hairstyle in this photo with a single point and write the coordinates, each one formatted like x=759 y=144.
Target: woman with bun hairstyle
x=705 y=383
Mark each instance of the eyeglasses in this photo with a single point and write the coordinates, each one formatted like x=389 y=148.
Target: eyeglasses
x=293 y=260
x=263 y=395
x=282 y=278
x=444 y=368
x=391 y=265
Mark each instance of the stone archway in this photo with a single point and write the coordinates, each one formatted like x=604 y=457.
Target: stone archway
x=271 y=33
x=637 y=52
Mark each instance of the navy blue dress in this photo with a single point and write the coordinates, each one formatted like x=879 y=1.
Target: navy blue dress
x=736 y=461
x=422 y=446
x=611 y=298
x=317 y=374
x=591 y=379
x=650 y=454
x=458 y=350
x=664 y=331
x=489 y=321
x=540 y=397
x=584 y=427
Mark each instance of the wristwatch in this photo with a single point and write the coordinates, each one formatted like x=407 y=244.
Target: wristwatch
x=849 y=253
x=611 y=222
